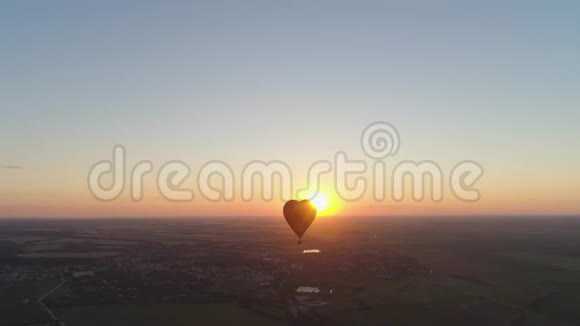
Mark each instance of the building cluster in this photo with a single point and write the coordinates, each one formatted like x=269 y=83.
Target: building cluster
x=11 y=273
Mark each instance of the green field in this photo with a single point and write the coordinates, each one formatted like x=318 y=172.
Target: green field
x=19 y=302
x=161 y=314
x=568 y=263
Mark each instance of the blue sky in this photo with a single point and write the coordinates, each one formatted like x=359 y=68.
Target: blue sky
x=495 y=81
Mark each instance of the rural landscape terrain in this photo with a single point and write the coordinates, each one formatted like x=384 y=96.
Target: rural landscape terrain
x=390 y=270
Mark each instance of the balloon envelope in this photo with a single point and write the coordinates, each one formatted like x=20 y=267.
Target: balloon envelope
x=299 y=215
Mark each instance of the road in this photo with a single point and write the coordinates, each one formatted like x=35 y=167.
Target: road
x=45 y=307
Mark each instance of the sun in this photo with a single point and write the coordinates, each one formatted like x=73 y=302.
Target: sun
x=320 y=201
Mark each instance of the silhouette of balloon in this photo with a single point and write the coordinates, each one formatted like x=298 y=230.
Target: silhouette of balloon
x=299 y=215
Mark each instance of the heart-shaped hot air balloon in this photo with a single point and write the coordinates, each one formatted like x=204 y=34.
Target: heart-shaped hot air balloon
x=299 y=215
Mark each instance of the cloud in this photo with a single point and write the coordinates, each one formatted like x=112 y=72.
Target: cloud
x=11 y=167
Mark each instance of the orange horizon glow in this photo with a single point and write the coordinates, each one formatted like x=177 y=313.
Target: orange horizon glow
x=82 y=204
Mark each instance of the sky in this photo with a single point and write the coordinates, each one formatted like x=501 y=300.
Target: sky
x=495 y=82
